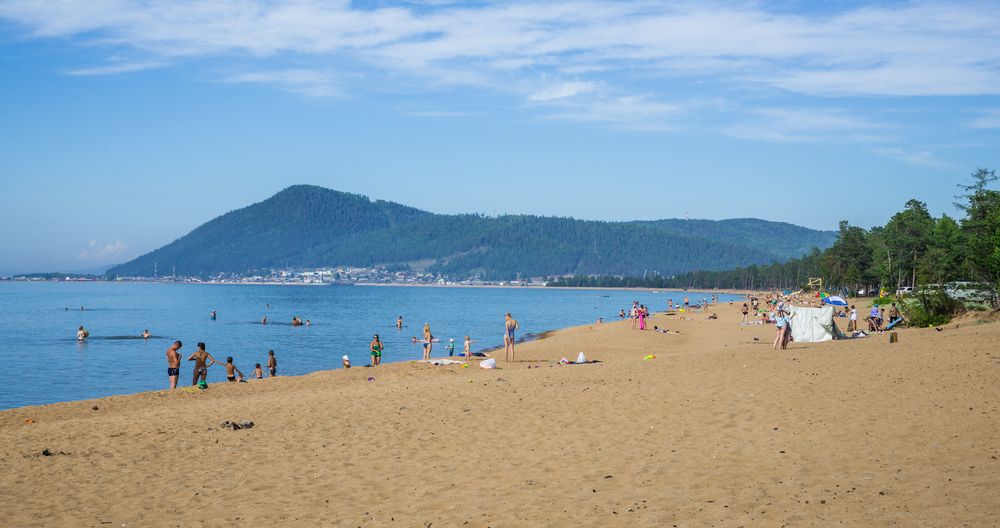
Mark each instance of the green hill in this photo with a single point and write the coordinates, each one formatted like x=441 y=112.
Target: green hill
x=306 y=226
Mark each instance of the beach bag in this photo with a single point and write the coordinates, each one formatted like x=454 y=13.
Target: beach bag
x=488 y=364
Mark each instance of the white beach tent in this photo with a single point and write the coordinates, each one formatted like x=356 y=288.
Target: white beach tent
x=811 y=325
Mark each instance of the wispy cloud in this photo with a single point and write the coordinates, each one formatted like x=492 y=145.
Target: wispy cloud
x=794 y=125
x=98 y=252
x=916 y=158
x=901 y=49
x=310 y=83
x=990 y=118
x=120 y=67
x=563 y=90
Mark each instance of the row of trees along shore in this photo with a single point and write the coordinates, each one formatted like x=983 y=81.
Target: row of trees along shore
x=912 y=249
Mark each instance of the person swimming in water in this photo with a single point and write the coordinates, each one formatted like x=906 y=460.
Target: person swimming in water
x=145 y=334
x=399 y=322
x=510 y=325
x=213 y=316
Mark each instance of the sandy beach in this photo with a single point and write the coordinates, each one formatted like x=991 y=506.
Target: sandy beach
x=717 y=430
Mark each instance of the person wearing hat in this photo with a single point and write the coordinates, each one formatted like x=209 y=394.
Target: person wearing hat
x=451 y=347
x=346 y=361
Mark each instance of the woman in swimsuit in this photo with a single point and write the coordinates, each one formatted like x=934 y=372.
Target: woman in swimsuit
x=510 y=324
x=376 y=349
x=428 y=341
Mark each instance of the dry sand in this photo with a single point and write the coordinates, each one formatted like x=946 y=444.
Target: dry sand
x=718 y=430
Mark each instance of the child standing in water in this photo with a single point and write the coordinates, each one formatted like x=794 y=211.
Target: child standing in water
x=231 y=370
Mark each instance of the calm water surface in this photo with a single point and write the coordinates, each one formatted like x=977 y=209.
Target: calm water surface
x=43 y=362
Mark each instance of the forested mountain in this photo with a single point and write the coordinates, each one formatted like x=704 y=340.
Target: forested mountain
x=306 y=226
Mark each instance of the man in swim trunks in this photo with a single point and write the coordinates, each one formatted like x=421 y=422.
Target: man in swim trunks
x=272 y=363
x=174 y=363
x=201 y=360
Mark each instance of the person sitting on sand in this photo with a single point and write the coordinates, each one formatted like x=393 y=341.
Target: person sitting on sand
x=82 y=333
x=174 y=363
x=258 y=373
x=376 y=350
x=231 y=370
x=272 y=363
x=145 y=334
x=713 y=315
x=202 y=360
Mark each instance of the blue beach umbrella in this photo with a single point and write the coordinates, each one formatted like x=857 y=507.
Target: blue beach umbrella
x=835 y=300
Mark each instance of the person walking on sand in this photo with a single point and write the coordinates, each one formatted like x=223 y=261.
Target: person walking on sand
x=202 y=360
x=510 y=325
x=642 y=317
x=428 y=341
x=779 y=324
x=746 y=313
x=174 y=363
x=376 y=350
x=272 y=363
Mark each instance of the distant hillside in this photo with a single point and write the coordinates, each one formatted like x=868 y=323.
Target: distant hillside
x=307 y=226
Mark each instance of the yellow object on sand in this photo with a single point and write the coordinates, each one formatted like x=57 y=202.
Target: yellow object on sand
x=650 y=356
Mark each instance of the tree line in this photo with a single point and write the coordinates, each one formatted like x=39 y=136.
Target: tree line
x=912 y=249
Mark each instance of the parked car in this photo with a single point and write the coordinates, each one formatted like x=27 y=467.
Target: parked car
x=905 y=290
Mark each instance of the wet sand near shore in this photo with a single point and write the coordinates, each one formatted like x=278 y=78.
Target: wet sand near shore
x=718 y=429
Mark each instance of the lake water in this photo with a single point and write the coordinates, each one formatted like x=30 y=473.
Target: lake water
x=44 y=363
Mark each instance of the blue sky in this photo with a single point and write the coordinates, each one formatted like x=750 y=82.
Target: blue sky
x=128 y=123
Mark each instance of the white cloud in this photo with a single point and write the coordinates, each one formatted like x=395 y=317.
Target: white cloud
x=311 y=83
x=95 y=251
x=900 y=49
x=990 y=118
x=793 y=125
x=560 y=91
x=917 y=158
x=119 y=67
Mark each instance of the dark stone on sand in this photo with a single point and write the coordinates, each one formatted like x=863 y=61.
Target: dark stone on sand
x=95 y=407
x=46 y=452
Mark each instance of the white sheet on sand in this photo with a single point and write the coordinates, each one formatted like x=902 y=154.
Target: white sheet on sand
x=811 y=325
x=441 y=361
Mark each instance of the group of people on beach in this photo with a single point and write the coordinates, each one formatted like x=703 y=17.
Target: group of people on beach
x=203 y=361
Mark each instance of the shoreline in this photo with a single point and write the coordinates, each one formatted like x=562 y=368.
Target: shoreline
x=708 y=426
